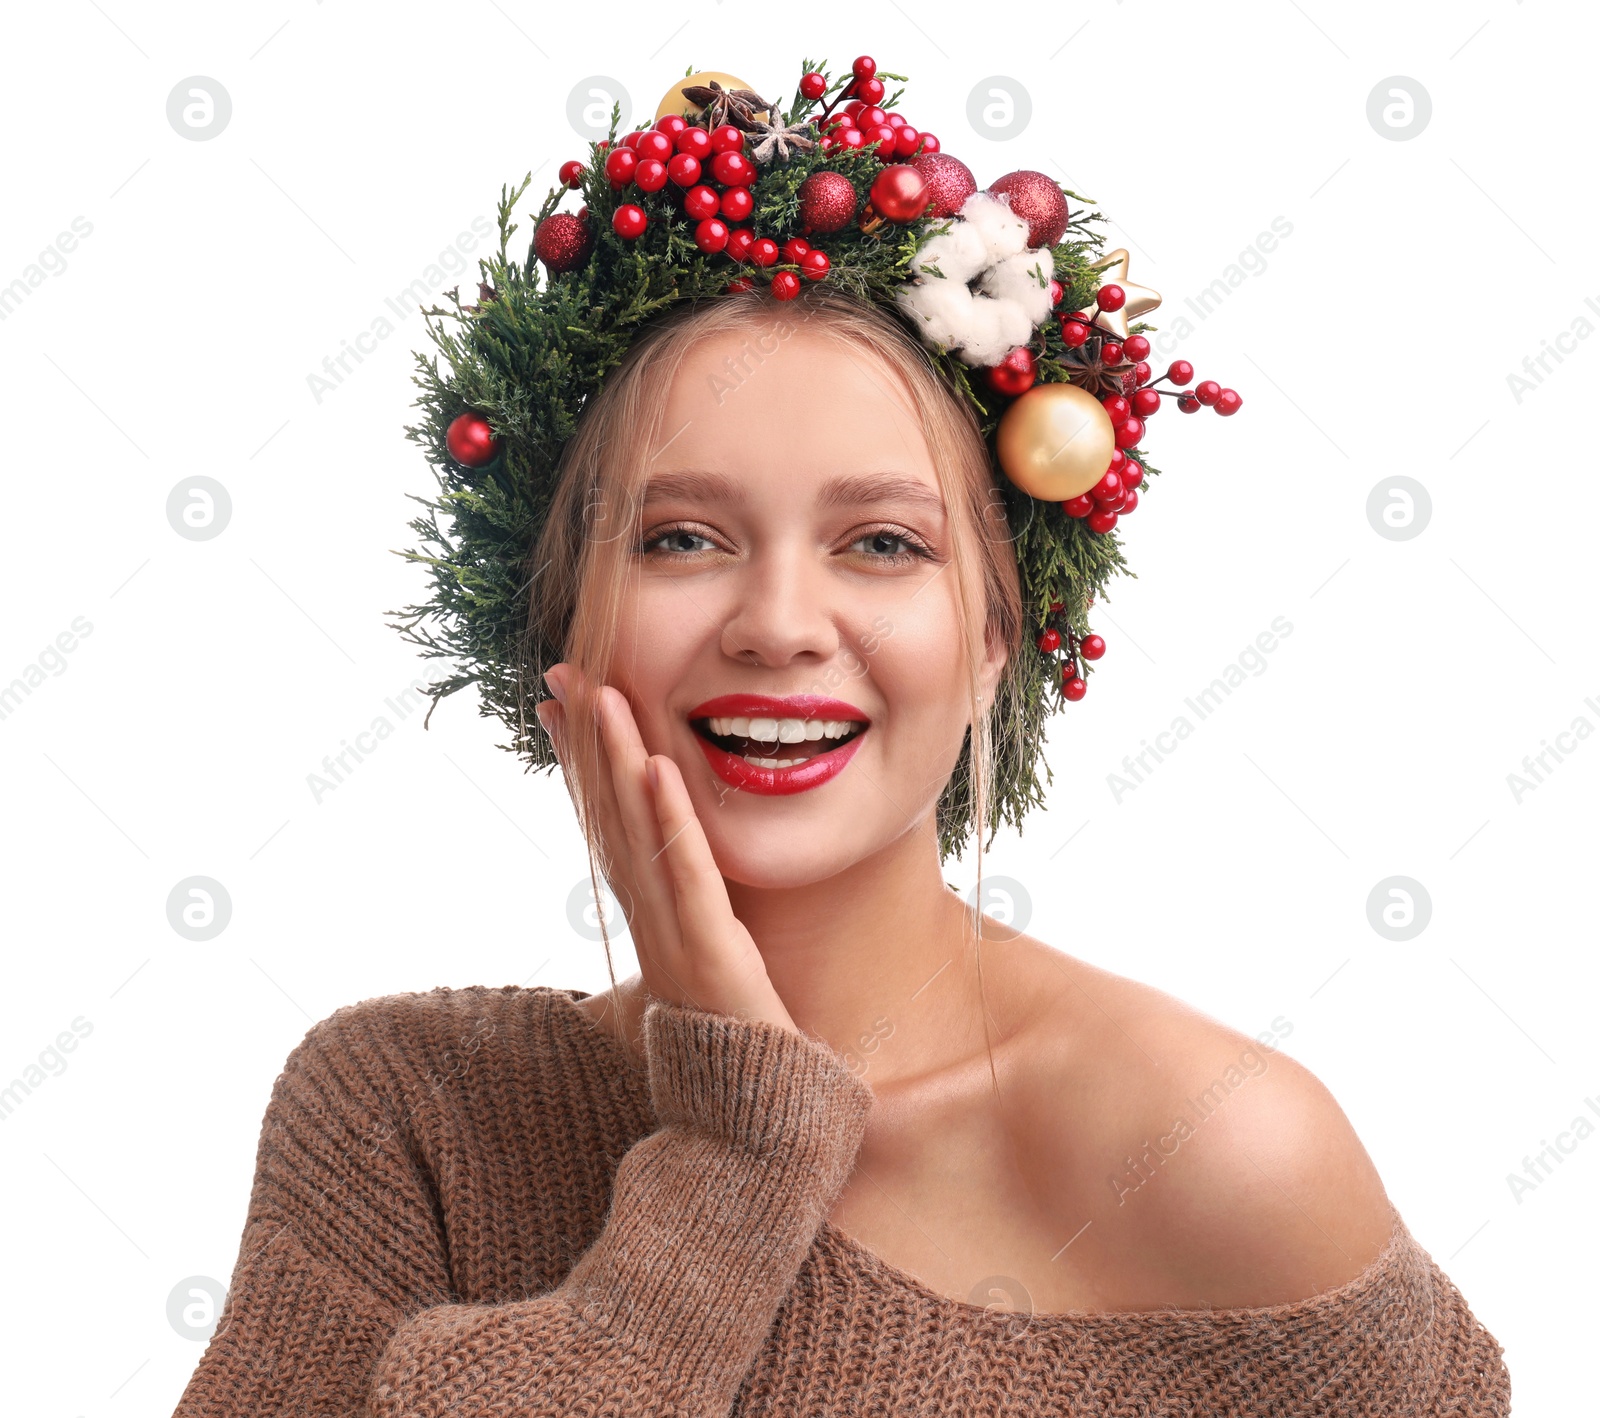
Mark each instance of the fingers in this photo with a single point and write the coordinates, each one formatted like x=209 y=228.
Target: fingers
x=707 y=926
x=604 y=809
x=626 y=754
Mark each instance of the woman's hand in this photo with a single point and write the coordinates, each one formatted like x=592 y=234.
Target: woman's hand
x=692 y=949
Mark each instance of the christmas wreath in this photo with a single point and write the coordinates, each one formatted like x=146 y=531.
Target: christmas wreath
x=1007 y=286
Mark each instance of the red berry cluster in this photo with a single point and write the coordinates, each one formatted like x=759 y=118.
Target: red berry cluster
x=706 y=168
x=1091 y=647
x=861 y=123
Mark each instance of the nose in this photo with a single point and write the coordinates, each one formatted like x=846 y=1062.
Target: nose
x=784 y=606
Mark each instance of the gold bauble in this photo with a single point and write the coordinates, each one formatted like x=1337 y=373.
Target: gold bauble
x=673 y=101
x=1055 y=441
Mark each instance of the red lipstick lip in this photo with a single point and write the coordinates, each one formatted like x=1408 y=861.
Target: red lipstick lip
x=791 y=706
x=779 y=782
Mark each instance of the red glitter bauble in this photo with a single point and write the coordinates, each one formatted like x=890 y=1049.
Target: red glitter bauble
x=900 y=193
x=950 y=182
x=827 y=202
x=1039 y=201
x=562 y=241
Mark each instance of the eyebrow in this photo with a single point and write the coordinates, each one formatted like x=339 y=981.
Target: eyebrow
x=842 y=490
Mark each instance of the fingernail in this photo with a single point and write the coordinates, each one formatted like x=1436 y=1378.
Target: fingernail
x=555 y=687
x=541 y=712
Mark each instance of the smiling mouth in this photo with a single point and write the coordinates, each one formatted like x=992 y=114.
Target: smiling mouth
x=822 y=736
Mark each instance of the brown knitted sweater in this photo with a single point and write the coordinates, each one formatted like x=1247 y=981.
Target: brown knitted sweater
x=476 y=1203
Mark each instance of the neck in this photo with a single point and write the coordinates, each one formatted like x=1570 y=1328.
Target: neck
x=878 y=960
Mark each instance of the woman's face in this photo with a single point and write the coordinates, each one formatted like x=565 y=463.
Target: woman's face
x=795 y=543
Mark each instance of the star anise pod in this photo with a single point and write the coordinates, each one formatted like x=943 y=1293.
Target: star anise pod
x=736 y=106
x=486 y=293
x=1089 y=371
x=781 y=137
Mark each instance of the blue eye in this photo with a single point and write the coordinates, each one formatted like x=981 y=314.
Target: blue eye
x=655 y=545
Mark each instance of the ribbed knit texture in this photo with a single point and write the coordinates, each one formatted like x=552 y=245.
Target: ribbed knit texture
x=476 y=1203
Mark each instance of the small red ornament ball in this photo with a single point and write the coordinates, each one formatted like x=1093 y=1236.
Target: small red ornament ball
x=827 y=202
x=1187 y=403
x=561 y=241
x=785 y=285
x=1102 y=520
x=1129 y=432
x=702 y=202
x=739 y=283
x=737 y=204
x=764 y=251
x=864 y=67
x=1074 y=334
x=1074 y=688
x=711 y=235
x=870 y=90
x=813 y=86
x=1146 y=402
x=900 y=193
x=794 y=248
x=1111 y=297
x=653 y=143
x=1227 y=402
x=1136 y=347
x=1080 y=506
x=696 y=142
x=1039 y=201
x=620 y=165
x=650 y=175
x=571 y=173
x=740 y=239
x=950 y=182
x=1208 y=391
x=671 y=124
x=906 y=138
x=628 y=221
x=1131 y=472
x=733 y=169
x=1180 y=371
x=1014 y=374
x=684 y=169
x=814 y=264
x=1091 y=647
x=1050 y=640
x=470 y=441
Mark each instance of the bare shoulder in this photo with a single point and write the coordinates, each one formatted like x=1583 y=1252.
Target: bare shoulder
x=1209 y=1160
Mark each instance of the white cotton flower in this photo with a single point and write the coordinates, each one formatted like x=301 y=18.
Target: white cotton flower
x=1023 y=278
x=980 y=291
x=1003 y=232
x=958 y=254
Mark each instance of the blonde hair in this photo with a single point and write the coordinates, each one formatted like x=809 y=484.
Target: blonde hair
x=578 y=569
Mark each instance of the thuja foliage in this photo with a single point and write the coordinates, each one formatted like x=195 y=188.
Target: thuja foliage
x=534 y=349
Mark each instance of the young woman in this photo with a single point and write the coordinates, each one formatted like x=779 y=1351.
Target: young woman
x=843 y=1145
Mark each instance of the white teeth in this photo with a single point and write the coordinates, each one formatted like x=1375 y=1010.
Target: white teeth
x=783 y=730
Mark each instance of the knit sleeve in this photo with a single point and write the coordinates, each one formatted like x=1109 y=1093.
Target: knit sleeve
x=711 y=1216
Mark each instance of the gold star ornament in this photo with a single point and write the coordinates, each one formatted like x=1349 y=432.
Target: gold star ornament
x=1141 y=299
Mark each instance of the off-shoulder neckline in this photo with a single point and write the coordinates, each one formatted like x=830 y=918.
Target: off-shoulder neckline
x=891 y=1277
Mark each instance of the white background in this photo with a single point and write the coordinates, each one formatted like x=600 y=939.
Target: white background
x=1377 y=339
